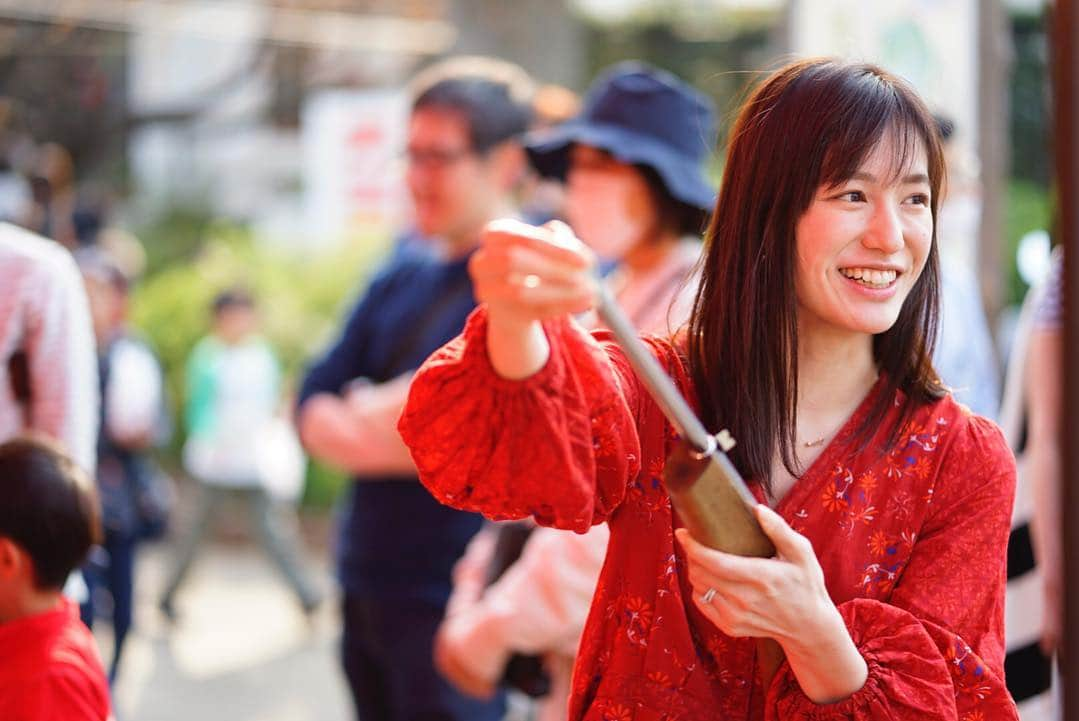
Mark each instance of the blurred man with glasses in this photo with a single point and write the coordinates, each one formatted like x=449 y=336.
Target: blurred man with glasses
x=397 y=545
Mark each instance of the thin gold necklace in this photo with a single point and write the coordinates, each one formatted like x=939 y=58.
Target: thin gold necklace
x=820 y=441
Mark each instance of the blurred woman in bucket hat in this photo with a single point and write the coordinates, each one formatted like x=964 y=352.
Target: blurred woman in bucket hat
x=642 y=116
x=633 y=164
x=635 y=191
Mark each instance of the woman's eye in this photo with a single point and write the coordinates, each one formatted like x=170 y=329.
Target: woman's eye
x=919 y=199
x=853 y=196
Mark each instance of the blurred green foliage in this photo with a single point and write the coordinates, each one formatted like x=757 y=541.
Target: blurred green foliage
x=1029 y=207
x=301 y=297
x=175 y=236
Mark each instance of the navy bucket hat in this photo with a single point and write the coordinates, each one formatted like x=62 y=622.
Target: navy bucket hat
x=641 y=115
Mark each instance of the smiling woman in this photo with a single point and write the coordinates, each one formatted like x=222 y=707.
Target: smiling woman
x=810 y=341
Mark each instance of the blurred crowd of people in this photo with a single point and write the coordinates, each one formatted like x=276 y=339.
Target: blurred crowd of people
x=443 y=613
x=78 y=373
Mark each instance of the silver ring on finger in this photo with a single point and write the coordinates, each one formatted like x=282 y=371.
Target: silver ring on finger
x=708 y=595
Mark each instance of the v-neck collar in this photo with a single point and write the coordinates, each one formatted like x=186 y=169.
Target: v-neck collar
x=820 y=469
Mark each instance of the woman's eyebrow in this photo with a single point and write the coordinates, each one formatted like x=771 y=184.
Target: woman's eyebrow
x=912 y=179
x=915 y=178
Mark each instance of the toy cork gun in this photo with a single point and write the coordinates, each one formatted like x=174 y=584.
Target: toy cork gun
x=706 y=490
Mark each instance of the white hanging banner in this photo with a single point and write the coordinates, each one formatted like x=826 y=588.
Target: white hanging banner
x=352 y=169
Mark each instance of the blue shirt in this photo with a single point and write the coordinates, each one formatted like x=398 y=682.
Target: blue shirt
x=395 y=540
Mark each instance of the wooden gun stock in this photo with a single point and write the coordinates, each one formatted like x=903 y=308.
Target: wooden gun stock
x=710 y=506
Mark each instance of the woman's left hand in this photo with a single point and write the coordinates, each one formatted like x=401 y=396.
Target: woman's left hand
x=777 y=597
x=783 y=598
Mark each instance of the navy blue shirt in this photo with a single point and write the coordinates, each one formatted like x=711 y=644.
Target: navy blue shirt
x=395 y=539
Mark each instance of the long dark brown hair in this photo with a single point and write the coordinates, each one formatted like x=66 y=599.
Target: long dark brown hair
x=809 y=124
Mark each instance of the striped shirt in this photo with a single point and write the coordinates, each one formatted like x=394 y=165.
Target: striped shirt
x=1050 y=312
x=44 y=313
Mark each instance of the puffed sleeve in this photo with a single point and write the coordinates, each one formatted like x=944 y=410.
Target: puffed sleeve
x=936 y=648
x=560 y=446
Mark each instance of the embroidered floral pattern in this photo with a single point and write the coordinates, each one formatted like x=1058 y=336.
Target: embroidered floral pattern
x=968 y=671
x=617 y=712
x=638 y=621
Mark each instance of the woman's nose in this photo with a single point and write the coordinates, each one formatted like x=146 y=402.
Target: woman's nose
x=885 y=231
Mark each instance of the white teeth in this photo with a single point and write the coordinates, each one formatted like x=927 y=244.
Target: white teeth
x=870 y=277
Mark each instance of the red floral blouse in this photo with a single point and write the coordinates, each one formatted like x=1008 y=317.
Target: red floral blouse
x=912 y=540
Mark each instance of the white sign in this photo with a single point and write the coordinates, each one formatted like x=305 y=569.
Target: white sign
x=931 y=43
x=353 y=144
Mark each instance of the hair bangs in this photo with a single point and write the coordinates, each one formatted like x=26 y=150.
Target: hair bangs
x=878 y=115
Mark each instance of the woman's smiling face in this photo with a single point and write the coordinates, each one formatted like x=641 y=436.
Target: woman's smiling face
x=862 y=244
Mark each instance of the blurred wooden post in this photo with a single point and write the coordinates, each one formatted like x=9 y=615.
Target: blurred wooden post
x=1065 y=59
x=994 y=60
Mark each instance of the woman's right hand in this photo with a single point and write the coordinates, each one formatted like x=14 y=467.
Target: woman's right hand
x=526 y=274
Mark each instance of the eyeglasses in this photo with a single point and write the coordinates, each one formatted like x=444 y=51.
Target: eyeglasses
x=436 y=158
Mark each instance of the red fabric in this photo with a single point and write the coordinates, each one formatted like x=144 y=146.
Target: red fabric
x=51 y=670
x=912 y=541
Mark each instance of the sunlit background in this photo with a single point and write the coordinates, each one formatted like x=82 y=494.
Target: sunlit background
x=260 y=141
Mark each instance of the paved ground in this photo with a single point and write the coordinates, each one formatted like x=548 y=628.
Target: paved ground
x=240 y=650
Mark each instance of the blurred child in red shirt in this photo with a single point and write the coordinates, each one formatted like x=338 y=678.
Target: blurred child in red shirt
x=51 y=669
